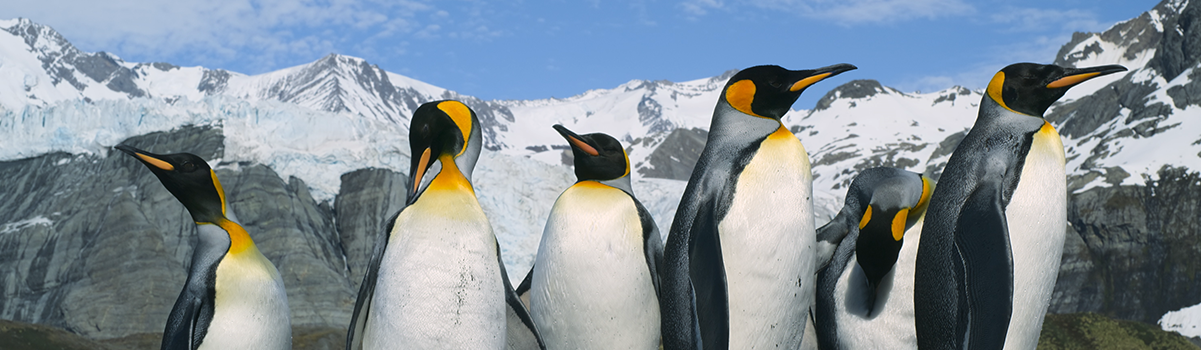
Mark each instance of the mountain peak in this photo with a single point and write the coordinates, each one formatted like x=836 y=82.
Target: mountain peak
x=859 y=88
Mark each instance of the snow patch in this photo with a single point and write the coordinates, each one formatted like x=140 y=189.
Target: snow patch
x=23 y=224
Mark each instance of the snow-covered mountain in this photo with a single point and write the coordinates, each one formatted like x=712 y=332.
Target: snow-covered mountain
x=319 y=121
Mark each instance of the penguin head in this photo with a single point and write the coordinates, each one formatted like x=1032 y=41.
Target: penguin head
x=598 y=156
x=769 y=91
x=446 y=132
x=189 y=178
x=897 y=202
x=1031 y=88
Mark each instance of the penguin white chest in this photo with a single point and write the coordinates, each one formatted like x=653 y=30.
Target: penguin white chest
x=251 y=307
x=767 y=239
x=591 y=287
x=439 y=283
x=1037 y=217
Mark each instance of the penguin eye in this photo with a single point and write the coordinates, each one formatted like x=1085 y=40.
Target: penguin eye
x=187 y=167
x=774 y=83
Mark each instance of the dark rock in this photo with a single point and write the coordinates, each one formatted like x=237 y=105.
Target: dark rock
x=366 y=201
x=213 y=81
x=1180 y=47
x=677 y=155
x=1140 y=243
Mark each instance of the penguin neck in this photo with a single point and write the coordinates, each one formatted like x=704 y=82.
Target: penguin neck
x=450 y=178
x=621 y=183
x=732 y=124
x=992 y=113
x=239 y=239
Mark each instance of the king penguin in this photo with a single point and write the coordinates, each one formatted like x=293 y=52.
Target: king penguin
x=435 y=279
x=234 y=297
x=739 y=266
x=994 y=231
x=865 y=292
x=595 y=280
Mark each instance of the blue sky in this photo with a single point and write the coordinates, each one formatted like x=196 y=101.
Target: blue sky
x=529 y=50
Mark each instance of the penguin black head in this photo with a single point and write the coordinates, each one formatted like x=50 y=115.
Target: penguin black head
x=598 y=156
x=440 y=131
x=1031 y=88
x=769 y=91
x=897 y=201
x=189 y=178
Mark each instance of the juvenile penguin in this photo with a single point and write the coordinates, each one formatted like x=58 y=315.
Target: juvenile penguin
x=738 y=266
x=594 y=283
x=865 y=293
x=993 y=234
x=435 y=279
x=234 y=297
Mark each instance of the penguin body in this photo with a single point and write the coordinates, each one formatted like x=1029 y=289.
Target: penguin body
x=594 y=283
x=865 y=293
x=739 y=264
x=234 y=298
x=436 y=279
x=993 y=236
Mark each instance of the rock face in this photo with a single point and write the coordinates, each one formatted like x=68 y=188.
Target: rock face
x=677 y=155
x=95 y=244
x=1133 y=252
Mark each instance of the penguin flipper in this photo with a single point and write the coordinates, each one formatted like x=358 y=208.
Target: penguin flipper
x=180 y=333
x=982 y=240
x=362 y=305
x=824 y=308
x=708 y=273
x=521 y=334
x=652 y=244
x=829 y=236
x=523 y=289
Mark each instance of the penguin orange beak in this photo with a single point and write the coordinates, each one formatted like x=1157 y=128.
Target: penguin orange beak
x=1074 y=76
x=575 y=140
x=146 y=157
x=821 y=74
x=418 y=172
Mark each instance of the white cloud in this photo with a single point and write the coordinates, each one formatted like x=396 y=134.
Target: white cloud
x=846 y=12
x=257 y=33
x=1033 y=19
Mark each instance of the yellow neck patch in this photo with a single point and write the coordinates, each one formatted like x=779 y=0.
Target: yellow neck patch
x=220 y=191
x=924 y=201
x=867 y=217
x=626 y=155
x=804 y=83
x=450 y=178
x=239 y=240
x=898 y=224
x=461 y=115
x=994 y=90
x=740 y=95
x=1047 y=129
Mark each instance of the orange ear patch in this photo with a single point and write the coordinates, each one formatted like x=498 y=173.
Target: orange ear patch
x=994 y=90
x=461 y=115
x=867 y=217
x=898 y=224
x=740 y=95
